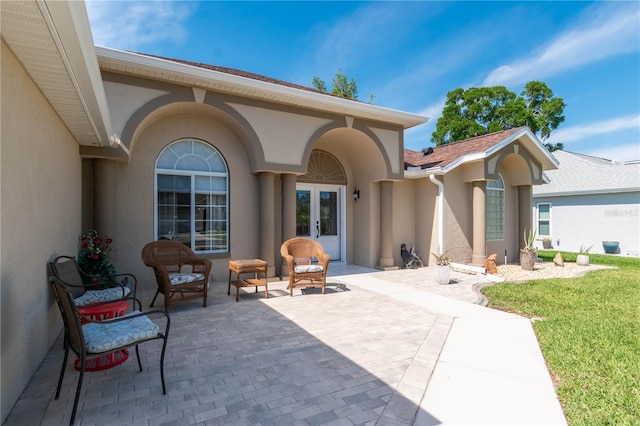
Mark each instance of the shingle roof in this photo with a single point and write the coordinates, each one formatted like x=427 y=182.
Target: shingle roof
x=240 y=73
x=447 y=154
x=583 y=174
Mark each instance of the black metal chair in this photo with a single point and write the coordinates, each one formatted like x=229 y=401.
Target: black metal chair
x=99 y=338
x=88 y=290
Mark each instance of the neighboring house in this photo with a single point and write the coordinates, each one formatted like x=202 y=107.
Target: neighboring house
x=589 y=200
x=227 y=162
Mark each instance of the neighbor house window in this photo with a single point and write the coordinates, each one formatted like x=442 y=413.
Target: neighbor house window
x=544 y=219
x=192 y=202
x=494 y=213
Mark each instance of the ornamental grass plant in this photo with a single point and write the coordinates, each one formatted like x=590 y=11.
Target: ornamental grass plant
x=589 y=335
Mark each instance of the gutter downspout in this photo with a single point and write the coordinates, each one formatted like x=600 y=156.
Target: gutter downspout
x=433 y=179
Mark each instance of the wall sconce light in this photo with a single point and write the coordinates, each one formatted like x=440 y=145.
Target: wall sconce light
x=356 y=194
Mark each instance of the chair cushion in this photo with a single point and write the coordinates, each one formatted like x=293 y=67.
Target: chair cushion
x=101 y=337
x=97 y=296
x=303 y=269
x=179 y=278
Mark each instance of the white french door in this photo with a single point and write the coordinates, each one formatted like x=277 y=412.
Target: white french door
x=319 y=216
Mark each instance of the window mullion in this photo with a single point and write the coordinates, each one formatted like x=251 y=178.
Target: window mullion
x=197 y=189
x=193 y=212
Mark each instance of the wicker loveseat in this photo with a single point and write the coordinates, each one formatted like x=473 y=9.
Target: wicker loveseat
x=301 y=254
x=180 y=274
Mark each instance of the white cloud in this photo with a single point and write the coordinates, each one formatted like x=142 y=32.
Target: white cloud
x=129 y=25
x=434 y=110
x=580 y=132
x=606 y=30
x=371 y=29
x=623 y=152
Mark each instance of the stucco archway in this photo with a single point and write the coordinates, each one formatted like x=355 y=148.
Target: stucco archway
x=368 y=166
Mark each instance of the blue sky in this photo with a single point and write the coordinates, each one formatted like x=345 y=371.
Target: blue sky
x=410 y=54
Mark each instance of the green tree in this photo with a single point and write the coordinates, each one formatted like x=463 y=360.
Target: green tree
x=481 y=110
x=342 y=86
x=319 y=84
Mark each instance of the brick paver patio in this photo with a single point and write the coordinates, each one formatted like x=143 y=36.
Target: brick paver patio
x=349 y=357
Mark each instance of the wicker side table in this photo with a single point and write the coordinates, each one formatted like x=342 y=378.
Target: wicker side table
x=248 y=266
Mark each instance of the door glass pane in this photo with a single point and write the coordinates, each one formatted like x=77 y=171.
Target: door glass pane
x=328 y=213
x=303 y=210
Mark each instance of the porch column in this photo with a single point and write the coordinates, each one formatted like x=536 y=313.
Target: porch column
x=479 y=223
x=525 y=209
x=288 y=214
x=267 y=220
x=104 y=206
x=288 y=206
x=386 y=226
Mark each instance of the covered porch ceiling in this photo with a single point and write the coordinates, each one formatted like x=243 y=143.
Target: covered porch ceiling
x=53 y=41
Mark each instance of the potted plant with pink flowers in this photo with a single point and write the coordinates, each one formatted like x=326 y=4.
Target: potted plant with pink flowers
x=93 y=256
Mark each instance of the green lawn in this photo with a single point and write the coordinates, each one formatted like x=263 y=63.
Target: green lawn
x=590 y=336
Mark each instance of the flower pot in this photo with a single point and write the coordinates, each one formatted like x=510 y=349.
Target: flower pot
x=582 y=260
x=528 y=259
x=610 y=247
x=547 y=245
x=443 y=274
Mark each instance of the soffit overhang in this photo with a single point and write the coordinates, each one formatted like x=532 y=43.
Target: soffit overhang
x=123 y=62
x=53 y=41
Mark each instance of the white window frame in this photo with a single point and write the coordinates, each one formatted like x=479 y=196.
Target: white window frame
x=498 y=189
x=177 y=171
x=540 y=235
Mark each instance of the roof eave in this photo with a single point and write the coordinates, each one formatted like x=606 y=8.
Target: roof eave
x=69 y=27
x=532 y=143
x=586 y=192
x=263 y=89
x=422 y=173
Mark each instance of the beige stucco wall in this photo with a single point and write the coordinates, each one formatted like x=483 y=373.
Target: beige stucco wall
x=40 y=175
x=254 y=137
x=458 y=211
x=514 y=171
x=135 y=192
x=365 y=166
x=404 y=210
x=415 y=218
x=426 y=219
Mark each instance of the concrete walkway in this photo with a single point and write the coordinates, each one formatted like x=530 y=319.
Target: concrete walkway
x=490 y=370
x=379 y=348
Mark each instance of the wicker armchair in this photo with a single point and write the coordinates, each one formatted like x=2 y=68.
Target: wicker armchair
x=300 y=254
x=88 y=290
x=180 y=274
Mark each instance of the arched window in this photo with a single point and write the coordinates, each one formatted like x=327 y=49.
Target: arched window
x=494 y=213
x=192 y=203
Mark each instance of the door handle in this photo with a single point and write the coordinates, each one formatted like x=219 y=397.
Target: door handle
x=317 y=229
